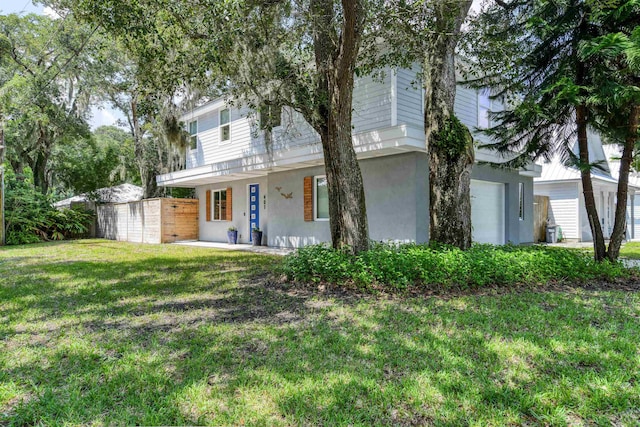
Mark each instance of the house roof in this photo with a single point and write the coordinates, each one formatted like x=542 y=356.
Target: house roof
x=119 y=194
x=607 y=155
x=614 y=153
x=555 y=170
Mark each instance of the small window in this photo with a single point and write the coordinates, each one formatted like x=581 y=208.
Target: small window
x=225 y=127
x=484 y=106
x=521 y=200
x=193 y=134
x=219 y=205
x=270 y=116
x=321 y=202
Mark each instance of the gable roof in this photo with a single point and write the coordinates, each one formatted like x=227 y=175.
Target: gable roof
x=119 y=194
x=613 y=153
x=556 y=171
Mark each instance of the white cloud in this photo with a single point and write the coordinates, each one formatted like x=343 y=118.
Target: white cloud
x=47 y=11
x=104 y=117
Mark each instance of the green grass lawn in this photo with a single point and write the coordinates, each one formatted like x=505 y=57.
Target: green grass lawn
x=99 y=332
x=630 y=250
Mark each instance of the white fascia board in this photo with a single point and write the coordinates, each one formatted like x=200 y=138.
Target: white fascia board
x=203 y=109
x=532 y=170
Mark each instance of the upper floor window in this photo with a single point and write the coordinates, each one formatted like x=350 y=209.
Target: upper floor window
x=193 y=134
x=225 y=126
x=484 y=106
x=321 y=202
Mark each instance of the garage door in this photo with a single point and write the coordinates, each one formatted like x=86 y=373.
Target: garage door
x=487 y=212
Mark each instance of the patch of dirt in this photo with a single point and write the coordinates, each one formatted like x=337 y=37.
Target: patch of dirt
x=350 y=291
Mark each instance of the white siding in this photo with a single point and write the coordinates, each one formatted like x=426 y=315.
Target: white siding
x=563 y=206
x=636 y=216
x=372 y=110
x=409 y=98
x=294 y=132
x=466 y=106
x=372 y=103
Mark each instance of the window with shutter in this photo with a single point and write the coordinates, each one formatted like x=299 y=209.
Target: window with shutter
x=308 y=198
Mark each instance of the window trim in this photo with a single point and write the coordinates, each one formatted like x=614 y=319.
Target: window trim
x=521 y=213
x=315 y=197
x=213 y=205
x=192 y=135
x=220 y=126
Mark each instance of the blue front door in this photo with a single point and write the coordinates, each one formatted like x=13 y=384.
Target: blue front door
x=254 y=208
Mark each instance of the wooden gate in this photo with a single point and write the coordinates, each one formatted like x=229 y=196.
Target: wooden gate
x=540 y=216
x=149 y=221
x=179 y=220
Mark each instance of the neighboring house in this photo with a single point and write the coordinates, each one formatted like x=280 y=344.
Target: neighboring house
x=119 y=194
x=280 y=186
x=563 y=186
x=614 y=153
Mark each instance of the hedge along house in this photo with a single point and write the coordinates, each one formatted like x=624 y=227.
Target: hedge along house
x=563 y=185
x=245 y=180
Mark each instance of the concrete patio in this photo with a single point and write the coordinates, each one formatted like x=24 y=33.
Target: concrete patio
x=237 y=247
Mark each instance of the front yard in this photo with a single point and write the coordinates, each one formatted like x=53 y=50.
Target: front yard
x=100 y=332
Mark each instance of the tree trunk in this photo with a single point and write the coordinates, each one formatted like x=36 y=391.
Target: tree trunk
x=587 y=185
x=147 y=179
x=38 y=162
x=335 y=60
x=449 y=164
x=620 y=224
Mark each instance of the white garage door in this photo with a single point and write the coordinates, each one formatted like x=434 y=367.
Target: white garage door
x=487 y=212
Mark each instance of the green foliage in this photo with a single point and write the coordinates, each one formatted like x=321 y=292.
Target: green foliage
x=30 y=218
x=546 y=58
x=399 y=266
x=103 y=160
x=454 y=137
x=46 y=79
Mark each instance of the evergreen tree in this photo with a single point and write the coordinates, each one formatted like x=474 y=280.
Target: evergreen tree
x=536 y=55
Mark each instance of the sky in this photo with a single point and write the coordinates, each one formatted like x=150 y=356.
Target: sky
x=100 y=116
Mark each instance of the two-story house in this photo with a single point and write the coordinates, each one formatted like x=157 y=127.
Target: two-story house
x=245 y=180
x=563 y=185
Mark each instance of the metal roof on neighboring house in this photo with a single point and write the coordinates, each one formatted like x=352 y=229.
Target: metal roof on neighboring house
x=614 y=154
x=556 y=171
x=119 y=194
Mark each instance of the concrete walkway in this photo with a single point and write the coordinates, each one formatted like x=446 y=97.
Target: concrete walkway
x=237 y=247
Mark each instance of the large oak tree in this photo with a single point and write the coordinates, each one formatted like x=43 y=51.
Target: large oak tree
x=266 y=54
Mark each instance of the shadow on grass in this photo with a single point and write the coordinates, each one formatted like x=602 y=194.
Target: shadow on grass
x=206 y=339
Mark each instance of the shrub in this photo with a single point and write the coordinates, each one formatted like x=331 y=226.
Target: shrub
x=30 y=218
x=401 y=265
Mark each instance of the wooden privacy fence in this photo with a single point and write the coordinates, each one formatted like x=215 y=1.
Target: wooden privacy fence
x=149 y=221
x=540 y=215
